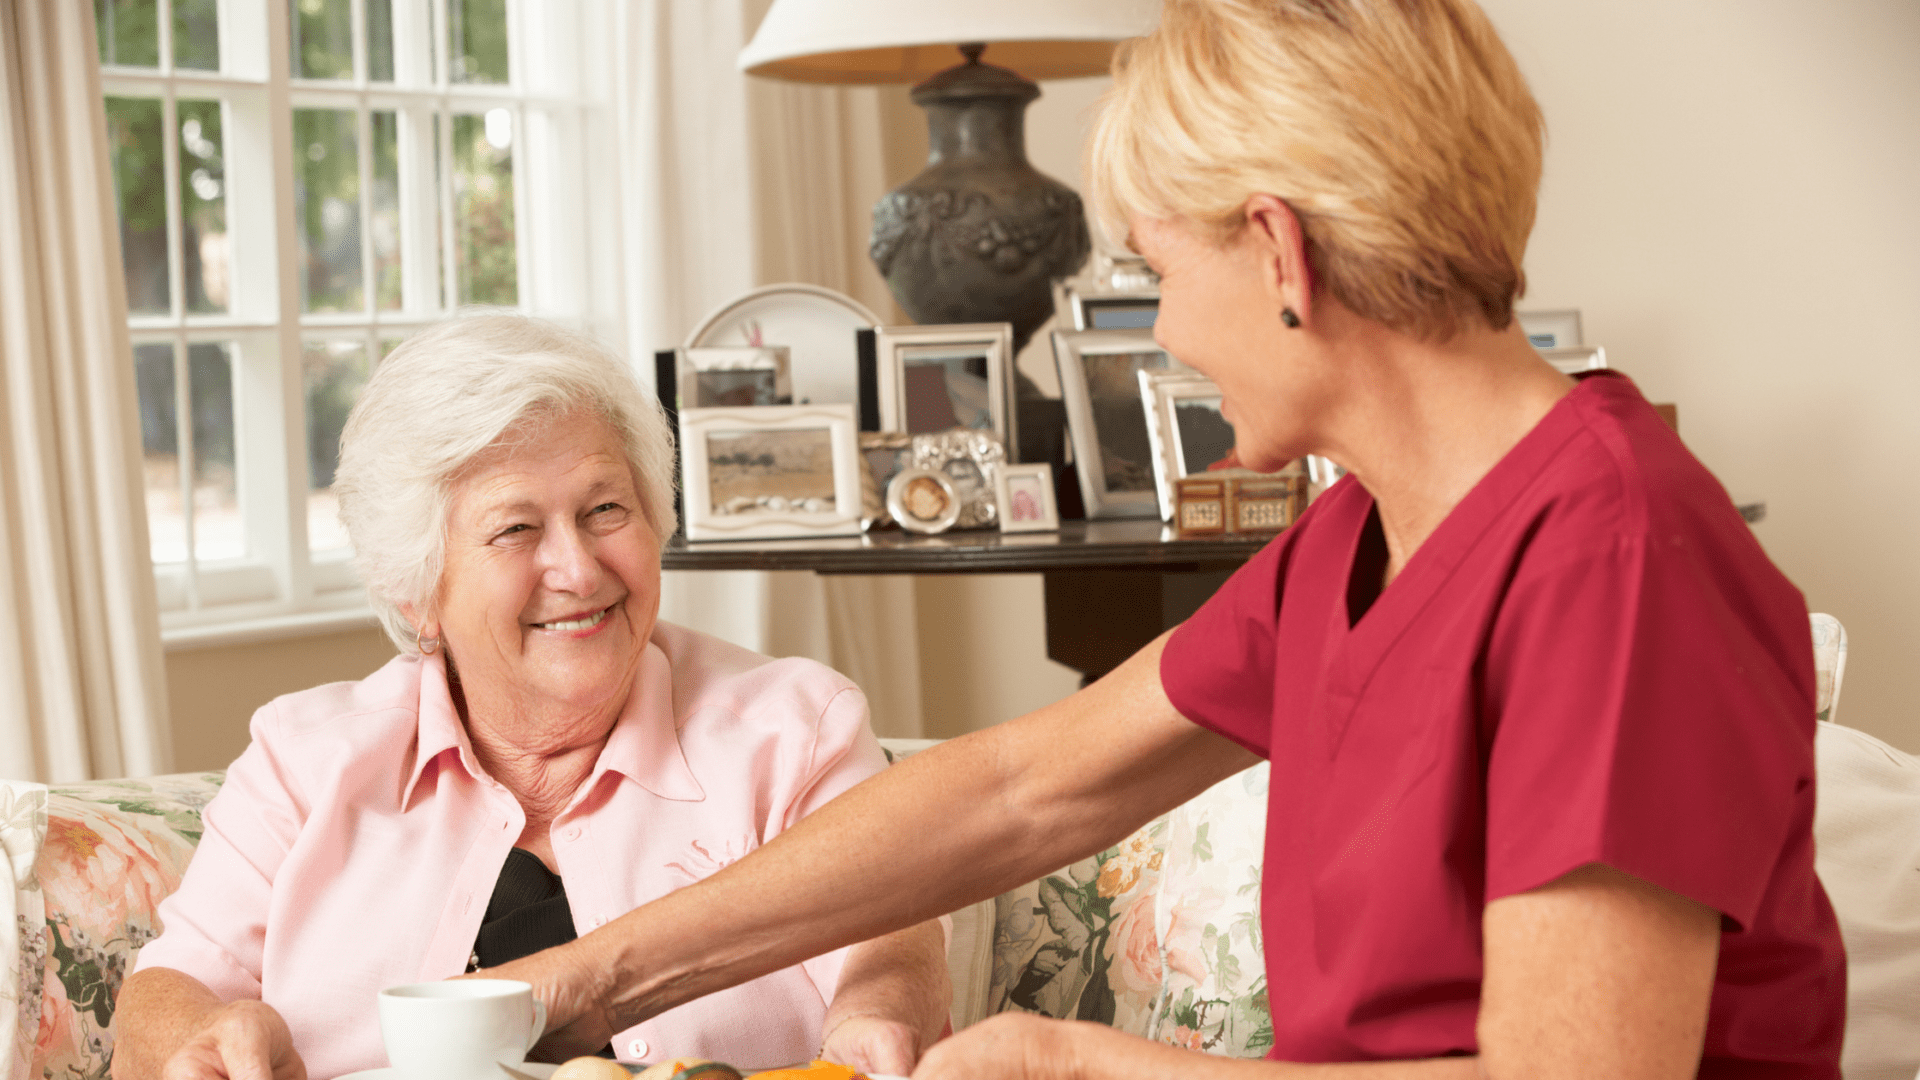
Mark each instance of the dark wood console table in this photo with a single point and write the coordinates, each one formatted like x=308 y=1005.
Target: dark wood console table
x=1111 y=586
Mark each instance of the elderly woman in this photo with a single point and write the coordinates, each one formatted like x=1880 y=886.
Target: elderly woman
x=1539 y=709
x=544 y=755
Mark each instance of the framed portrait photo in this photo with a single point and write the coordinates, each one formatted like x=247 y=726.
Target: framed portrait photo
x=771 y=471
x=937 y=378
x=1106 y=421
x=734 y=377
x=1185 y=429
x=1551 y=329
x=923 y=500
x=1574 y=361
x=1025 y=495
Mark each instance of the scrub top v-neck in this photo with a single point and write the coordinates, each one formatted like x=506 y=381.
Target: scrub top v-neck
x=1589 y=660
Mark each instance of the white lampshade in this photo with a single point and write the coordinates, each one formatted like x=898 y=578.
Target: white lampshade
x=892 y=41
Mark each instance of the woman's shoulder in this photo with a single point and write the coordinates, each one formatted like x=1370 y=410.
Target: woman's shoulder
x=389 y=697
x=709 y=672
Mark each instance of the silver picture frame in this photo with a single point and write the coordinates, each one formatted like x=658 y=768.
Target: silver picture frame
x=1106 y=420
x=1575 y=360
x=1551 y=329
x=966 y=369
x=770 y=472
x=1025 y=497
x=1183 y=425
x=1081 y=305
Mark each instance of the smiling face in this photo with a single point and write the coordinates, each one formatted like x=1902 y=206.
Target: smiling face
x=552 y=581
x=1220 y=314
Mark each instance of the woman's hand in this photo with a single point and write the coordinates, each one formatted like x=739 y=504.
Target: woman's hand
x=873 y=1044
x=241 y=1040
x=574 y=989
x=1009 y=1046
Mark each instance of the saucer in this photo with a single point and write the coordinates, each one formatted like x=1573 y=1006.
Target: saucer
x=537 y=1070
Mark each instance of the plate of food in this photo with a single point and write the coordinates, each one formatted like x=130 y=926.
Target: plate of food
x=817 y=326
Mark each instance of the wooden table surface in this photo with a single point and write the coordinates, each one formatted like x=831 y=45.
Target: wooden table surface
x=1079 y=545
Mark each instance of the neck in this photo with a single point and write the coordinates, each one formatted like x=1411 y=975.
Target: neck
x=1425 y=421
x=541 y=753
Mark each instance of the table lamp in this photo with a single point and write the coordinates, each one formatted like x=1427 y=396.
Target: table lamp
x=979 y=235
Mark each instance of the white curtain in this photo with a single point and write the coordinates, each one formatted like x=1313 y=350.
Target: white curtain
x=82 y=683
x=725 y=185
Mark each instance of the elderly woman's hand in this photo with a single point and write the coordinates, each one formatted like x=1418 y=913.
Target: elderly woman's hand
x=873 y=1044
x=241 y=1040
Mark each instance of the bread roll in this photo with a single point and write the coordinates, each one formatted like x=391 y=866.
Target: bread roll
x=591 y=1068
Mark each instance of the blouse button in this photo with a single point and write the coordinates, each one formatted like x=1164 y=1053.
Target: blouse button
x=637 y=1048
x=573 y=832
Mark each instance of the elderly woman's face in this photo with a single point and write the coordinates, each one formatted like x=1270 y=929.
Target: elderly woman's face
x=552 y=572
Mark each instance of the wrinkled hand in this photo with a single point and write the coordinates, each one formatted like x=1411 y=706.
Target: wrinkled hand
x=570 y=984
x=241 y=1040
x=873 y=1044
x=1010 y=1046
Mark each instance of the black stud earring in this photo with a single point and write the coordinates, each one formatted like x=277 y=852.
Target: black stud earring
x=1287 y=316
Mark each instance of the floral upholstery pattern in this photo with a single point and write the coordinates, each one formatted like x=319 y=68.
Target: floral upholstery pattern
x=113 y=850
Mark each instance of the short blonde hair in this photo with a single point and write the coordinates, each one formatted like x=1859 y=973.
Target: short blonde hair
x=445 y=397
x=1400 y=132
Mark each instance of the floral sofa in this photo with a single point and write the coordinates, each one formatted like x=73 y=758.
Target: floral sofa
x=1158 y=936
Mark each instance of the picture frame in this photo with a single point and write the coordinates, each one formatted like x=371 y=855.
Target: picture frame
x=883 y=454
x=1572 y=361
x=1106 y=420
x=1185 y=429
x=746 y=376
x=1081 y=305
x=934 y=378
x=770 y=471
x=1551 y=329
x=1024 y=494
x=924 y=500
x=970 y=459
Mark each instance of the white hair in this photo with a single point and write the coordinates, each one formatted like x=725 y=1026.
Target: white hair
x=446 y=396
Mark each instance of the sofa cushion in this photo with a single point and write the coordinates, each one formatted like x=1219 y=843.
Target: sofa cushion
x=23 y=918
x=114 y=849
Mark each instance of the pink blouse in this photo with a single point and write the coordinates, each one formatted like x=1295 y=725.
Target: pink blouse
x=356 y=843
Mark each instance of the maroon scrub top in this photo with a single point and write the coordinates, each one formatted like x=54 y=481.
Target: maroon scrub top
x=1591 y=660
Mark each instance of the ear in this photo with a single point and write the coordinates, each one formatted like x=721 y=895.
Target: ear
x=1275 y=230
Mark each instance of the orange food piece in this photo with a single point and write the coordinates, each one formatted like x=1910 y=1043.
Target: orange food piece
x=818 y=1070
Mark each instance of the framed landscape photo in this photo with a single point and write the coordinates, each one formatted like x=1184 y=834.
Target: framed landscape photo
x=1025 y=494
x=732 y=377
x=1551 y=329
x=1082 y=307
x=1106 y=421
x=936 y=378
x=771 y=471
x=1185 y=428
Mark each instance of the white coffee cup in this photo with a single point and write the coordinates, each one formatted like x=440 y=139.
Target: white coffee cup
x=460 y=1030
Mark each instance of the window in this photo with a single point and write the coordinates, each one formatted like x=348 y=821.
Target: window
x=301 y=184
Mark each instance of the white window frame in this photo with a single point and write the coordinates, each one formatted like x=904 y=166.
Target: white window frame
x=280 y=588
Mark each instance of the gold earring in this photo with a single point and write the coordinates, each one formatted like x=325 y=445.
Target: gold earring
x=429 y=645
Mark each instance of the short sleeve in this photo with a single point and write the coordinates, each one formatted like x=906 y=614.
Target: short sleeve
x=1218 y=667
x=214 y=926
x=1653 y=712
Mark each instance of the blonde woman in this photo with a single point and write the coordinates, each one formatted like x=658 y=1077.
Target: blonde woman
x=1539 y=709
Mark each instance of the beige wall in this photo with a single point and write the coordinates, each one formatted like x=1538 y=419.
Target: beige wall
x=212 y=692
x=1732 y=199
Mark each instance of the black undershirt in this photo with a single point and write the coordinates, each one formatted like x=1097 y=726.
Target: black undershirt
x=528 y=913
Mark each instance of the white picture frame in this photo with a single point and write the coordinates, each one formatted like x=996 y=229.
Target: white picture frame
x=1106 y=421
x=1574 y=361
x=1025 y=497
x=807 y=485
x=762 y=371
x=1183 y=424
x=903 y=357
x=1551 y=329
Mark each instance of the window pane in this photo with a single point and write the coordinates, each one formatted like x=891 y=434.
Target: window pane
x=128 y=32
x=134 y=132
x=326 y=195
x=322 y=38
x=380 y=40
x=160 y=450
x=384 y=211
x=196 y=34
x=477 y=39
x=203 y=205
x=218 y=531
x=335 y=373
x=483 y=208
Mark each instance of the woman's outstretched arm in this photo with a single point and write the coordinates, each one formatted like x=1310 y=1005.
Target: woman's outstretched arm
x=963 y=821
